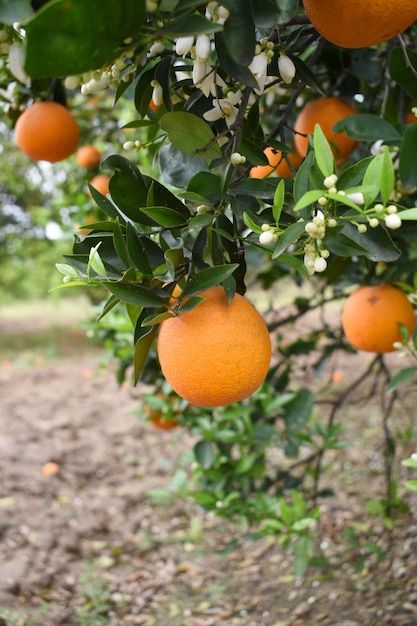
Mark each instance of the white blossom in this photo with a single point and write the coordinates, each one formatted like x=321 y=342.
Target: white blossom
x=258 y=67
x=156 y=48
x=224 y=108
x=356 y=197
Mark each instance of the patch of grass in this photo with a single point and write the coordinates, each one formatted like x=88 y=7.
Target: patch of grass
x=93 y=589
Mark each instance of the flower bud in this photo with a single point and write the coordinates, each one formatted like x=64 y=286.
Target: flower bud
x=266 y=237
x=286 y=68
x=393 y=221
x=183 y=45
x=202 y=47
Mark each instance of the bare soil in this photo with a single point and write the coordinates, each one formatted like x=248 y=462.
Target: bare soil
x=90 y=544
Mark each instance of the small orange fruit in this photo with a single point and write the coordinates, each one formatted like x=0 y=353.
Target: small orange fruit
x=361 y=23
x=157 y=418
x=50 y=468
x=88 y=157
x=101 y=183
x=277 y=164
x=411 y=118
x=325 y=112
x=216 y=353
x=47 y=131
x=371 y=317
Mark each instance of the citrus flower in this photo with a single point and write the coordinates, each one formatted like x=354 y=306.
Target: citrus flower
x=225 y=108
x=258 y=67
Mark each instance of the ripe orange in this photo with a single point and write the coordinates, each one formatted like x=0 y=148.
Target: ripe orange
x=88 y=156
x=361 y=23
x=277 y=164
x=47 y=131
x=371 y=316
x=411 y=118
x=101 y=183
x=326 y=112
x=217 y=353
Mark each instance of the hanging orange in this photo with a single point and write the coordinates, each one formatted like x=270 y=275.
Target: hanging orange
x=325 y=112
x=216 y=353
x=361 y=23
x=47 y=131
x=371 y=317
x=88 y=157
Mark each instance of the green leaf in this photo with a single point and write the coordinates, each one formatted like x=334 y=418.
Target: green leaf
x=204 y=453
x=186 y=24
x=402 y=74
x=309 y=198
x=253 y=153
x=87 y=37
x=322 y=152
x=376 y=243
x=408 y=214
x=120 y=244
x=402 y=377
x=367 y=127
x=259 y=188
x=288 y=237
x=304 y=73
x=379 y=177
x=177 y=167
x=207 y=278
x=134 y=293
x=169 y=218
x=250 y=223
x=156 y=318
x=142 y=347
x=408 y=161
x=278 y=202
x=206 y=185
x=137 y=251
x=190 y=134
x=239 y=72
x=411 y=484
x=12 y=11
x=239 y=31
x=95 y=262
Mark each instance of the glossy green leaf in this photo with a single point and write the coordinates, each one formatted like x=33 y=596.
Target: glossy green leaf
x=142 y=347
x=205 y=184
x=367 y=127
x=288 y=237
x=207 y=278
x=177 y=167
x=408 y=160
x=239 y=31
x=164 y=216
x=159 y=195
x=259 y=188
x=322 y=152
x=401 y=378
x=376 y=243
x=190 y=134
x=194 y=24
x=408 y=214
x=120 y=244
x=88 y=35
x=278 y=202
x=402 y=74
x=239 y=72
x=134 y=293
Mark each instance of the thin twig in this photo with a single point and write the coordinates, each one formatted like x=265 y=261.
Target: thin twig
x=406 y=57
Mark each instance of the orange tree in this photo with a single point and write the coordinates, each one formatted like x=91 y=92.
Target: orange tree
x=213 y=88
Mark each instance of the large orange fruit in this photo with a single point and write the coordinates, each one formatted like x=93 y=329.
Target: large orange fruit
x=326 y=112
x=360 y=23
x=217 y=353
x=371 y=316
x=88 y=157
x=277 y=164
x=47 y=131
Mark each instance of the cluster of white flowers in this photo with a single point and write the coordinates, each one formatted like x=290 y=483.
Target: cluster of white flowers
x=315 y=258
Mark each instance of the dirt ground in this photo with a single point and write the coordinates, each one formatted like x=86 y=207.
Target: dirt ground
x=91 y=544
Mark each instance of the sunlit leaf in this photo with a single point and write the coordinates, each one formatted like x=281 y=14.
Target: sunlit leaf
x=190 y=134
